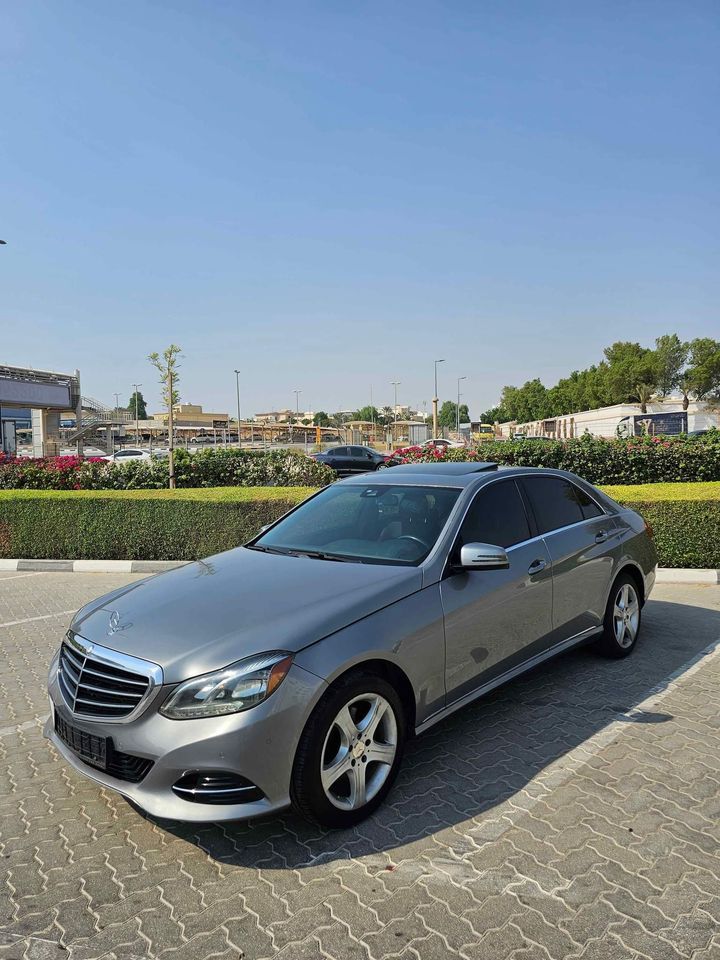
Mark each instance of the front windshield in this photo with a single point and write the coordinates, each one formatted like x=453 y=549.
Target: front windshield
x=365 y=523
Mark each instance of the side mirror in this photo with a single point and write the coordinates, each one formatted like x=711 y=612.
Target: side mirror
x=483 y=556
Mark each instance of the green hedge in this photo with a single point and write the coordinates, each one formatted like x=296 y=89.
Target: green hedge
x=635 y=460
x=137 y=524
x=684 y=516
x=186 y=524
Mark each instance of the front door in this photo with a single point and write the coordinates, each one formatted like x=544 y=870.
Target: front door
x=496 y=619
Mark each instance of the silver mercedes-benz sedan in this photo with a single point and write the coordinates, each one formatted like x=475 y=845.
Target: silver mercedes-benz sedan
x=292 y=670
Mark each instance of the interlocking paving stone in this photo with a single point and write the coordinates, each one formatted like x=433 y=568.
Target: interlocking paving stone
x=553 y=820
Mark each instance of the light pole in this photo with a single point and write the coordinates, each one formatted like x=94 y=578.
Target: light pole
x=435 y=401
x=457 y=409
x=114 y=425
x=137 y=431
x=395 y=384
x=297 y=409
x=237 y=392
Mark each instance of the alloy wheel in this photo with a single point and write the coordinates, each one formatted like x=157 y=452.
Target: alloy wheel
x=626 y=615
x=359 y=751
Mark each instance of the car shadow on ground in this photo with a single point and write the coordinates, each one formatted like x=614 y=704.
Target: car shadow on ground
x=485 y=753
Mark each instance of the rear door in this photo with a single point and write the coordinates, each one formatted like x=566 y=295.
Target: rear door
x=338 y=459
x=496 y=619
x=579 y=538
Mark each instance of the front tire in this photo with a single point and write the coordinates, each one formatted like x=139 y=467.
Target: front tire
x=349 y=752
x=623 y=618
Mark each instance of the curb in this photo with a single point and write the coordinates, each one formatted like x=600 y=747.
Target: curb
x=663 y=574
x=93 y=566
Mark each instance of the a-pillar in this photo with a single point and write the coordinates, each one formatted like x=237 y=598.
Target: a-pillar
x=46 y=433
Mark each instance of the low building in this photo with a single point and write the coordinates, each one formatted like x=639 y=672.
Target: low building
x=193 y=415
x=622 y=419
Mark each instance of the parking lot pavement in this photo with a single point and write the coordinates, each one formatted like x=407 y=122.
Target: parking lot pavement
x=573 y=813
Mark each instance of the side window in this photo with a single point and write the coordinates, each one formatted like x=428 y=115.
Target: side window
x=588 y=506
x=340 y=452
x=496 y=515
x=357 y=452
x=553 y=502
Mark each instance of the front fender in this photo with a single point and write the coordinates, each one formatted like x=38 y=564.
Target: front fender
x=409 y=634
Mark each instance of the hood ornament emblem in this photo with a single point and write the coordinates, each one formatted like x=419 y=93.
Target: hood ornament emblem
x=114 y=624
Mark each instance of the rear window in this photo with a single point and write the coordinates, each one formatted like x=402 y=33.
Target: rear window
x=553 y=502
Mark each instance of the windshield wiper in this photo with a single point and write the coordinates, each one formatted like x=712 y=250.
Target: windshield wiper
x=261 y=548
x=320 y=555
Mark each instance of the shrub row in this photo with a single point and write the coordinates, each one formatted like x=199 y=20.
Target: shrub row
x=635 y=460
x=187 y=524
x=206 y=468
x=141 y=524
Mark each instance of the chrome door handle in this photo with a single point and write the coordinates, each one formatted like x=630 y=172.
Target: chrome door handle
x=536 y=566
x=601 y=537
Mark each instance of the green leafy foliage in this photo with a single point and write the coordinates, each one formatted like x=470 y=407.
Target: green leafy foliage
x=635 y=460
x=684 y=516
x=188 y=524
x=140 y=524
x=206 y=468
x=629 y=373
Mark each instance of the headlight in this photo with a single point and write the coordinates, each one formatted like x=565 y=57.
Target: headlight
x=236 y=688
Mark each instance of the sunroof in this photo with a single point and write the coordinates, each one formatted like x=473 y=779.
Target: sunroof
x=454 y=469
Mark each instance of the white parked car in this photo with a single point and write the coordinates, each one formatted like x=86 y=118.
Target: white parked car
x=131 y=453
x=443 y=443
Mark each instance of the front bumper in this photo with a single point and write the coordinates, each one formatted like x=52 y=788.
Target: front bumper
x=258 y=745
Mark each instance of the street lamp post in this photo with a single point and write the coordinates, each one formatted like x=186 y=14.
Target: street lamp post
x=113 y=426
x=395 y=384
x=237 y=392
x=297 y=409
x=435 y=401
x=457 y=409
x=137 y=431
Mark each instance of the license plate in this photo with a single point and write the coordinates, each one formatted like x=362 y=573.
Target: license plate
x=91 y=749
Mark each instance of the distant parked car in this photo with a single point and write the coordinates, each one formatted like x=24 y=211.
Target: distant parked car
x=348 y=460
x=441 y=442
x=131 y=453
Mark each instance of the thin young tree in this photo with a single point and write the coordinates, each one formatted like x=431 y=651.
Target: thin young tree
x=167 y=366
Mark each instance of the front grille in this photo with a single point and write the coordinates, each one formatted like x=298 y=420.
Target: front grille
x=95 y=688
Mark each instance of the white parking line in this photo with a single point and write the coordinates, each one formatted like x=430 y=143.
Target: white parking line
x=45 y=616
x=19 y=576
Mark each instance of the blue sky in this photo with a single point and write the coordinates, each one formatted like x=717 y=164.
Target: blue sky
x=329 y=195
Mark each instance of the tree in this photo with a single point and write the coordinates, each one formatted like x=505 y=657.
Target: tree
x=629 y=364
x=141 y=412
x=368 y=413
x=704 y=368
x=321 y=419
x=670 y=356
x=644 y=393
x=167 y=367
x=448 y=414
x=494 y=415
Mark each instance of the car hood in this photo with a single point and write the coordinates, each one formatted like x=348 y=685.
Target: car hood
x=208 y=614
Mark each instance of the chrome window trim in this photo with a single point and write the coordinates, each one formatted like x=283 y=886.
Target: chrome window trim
x=476 y=490
x=113 y=658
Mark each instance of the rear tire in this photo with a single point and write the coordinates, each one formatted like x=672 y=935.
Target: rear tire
x=623 y=619
x=349 y=752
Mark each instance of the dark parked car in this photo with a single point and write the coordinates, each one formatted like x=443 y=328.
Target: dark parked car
x=348 y=460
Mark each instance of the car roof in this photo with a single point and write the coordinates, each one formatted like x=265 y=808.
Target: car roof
x=452 y=474
x=459 y=474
